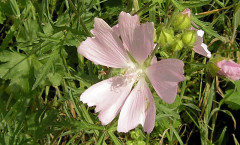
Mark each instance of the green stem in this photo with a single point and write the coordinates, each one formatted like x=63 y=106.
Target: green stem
x=149 y=59
x=147 y=140
x=135 y=5
x=142 y=8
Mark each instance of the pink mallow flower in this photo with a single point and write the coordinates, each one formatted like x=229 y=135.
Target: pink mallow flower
x=128 y=94
x=199 y=47
x=229 y=69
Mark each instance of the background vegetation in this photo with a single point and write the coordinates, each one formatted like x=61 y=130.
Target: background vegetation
x=42 y=75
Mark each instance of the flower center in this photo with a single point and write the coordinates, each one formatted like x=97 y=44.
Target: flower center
x=136 y=72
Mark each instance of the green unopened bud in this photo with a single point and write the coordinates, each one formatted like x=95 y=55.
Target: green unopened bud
x=166 y=37
x=189 y=37
x=178 y=45
x=182 y=21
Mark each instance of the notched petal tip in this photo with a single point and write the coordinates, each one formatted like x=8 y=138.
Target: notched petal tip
x=122 y=13
x=200 y=33
x=200 y=47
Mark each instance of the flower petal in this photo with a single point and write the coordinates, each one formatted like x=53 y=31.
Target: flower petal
x=230 y=69
x=165 y=76
x=143 y=44
x=115 y=29
x=151 y=113
x=137 y=39
x=108 y=97
x=200 y=47
x=138 y=106
x=154 y=60
x=105 y=48
x=127 y=25
x=187 y=11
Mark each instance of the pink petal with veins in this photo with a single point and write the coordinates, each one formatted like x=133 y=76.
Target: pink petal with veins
x=108 y=96
x=139 y=108
x=165 y=76
x=138 y=39
x=105 y=48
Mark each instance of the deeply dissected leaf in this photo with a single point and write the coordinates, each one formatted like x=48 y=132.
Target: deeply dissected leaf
x=19 y=69
x=45 y=69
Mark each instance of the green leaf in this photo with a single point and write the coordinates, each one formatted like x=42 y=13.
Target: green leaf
x=224 y=111
x=233 y=101
x=9 y=35
x=19 y=69
x=55 y=78
x=220 y=140
x=71 y=40
x=177 y=135
x=236 y=17
x=209 y=95
x=192 y=106
x=207 y=28
x=5 y=7
x=86 y=126
x=2 y=17
x=194 y=4
x=235 y=139
x=114 y=138
x=45 y=69
x=28 y=32
x=15 y=7
x=101 y=139
x=237 y=84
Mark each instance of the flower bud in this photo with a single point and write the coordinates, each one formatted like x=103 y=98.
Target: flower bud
x=166 y=37
x=189 y=37
x=187 y=11
x=178 y=45
x=224 y=67
x=182 y=21
x=229 y=69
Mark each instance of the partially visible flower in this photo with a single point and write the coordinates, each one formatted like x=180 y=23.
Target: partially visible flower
x=229 y=69
x=199 y=47
x=128 y=45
